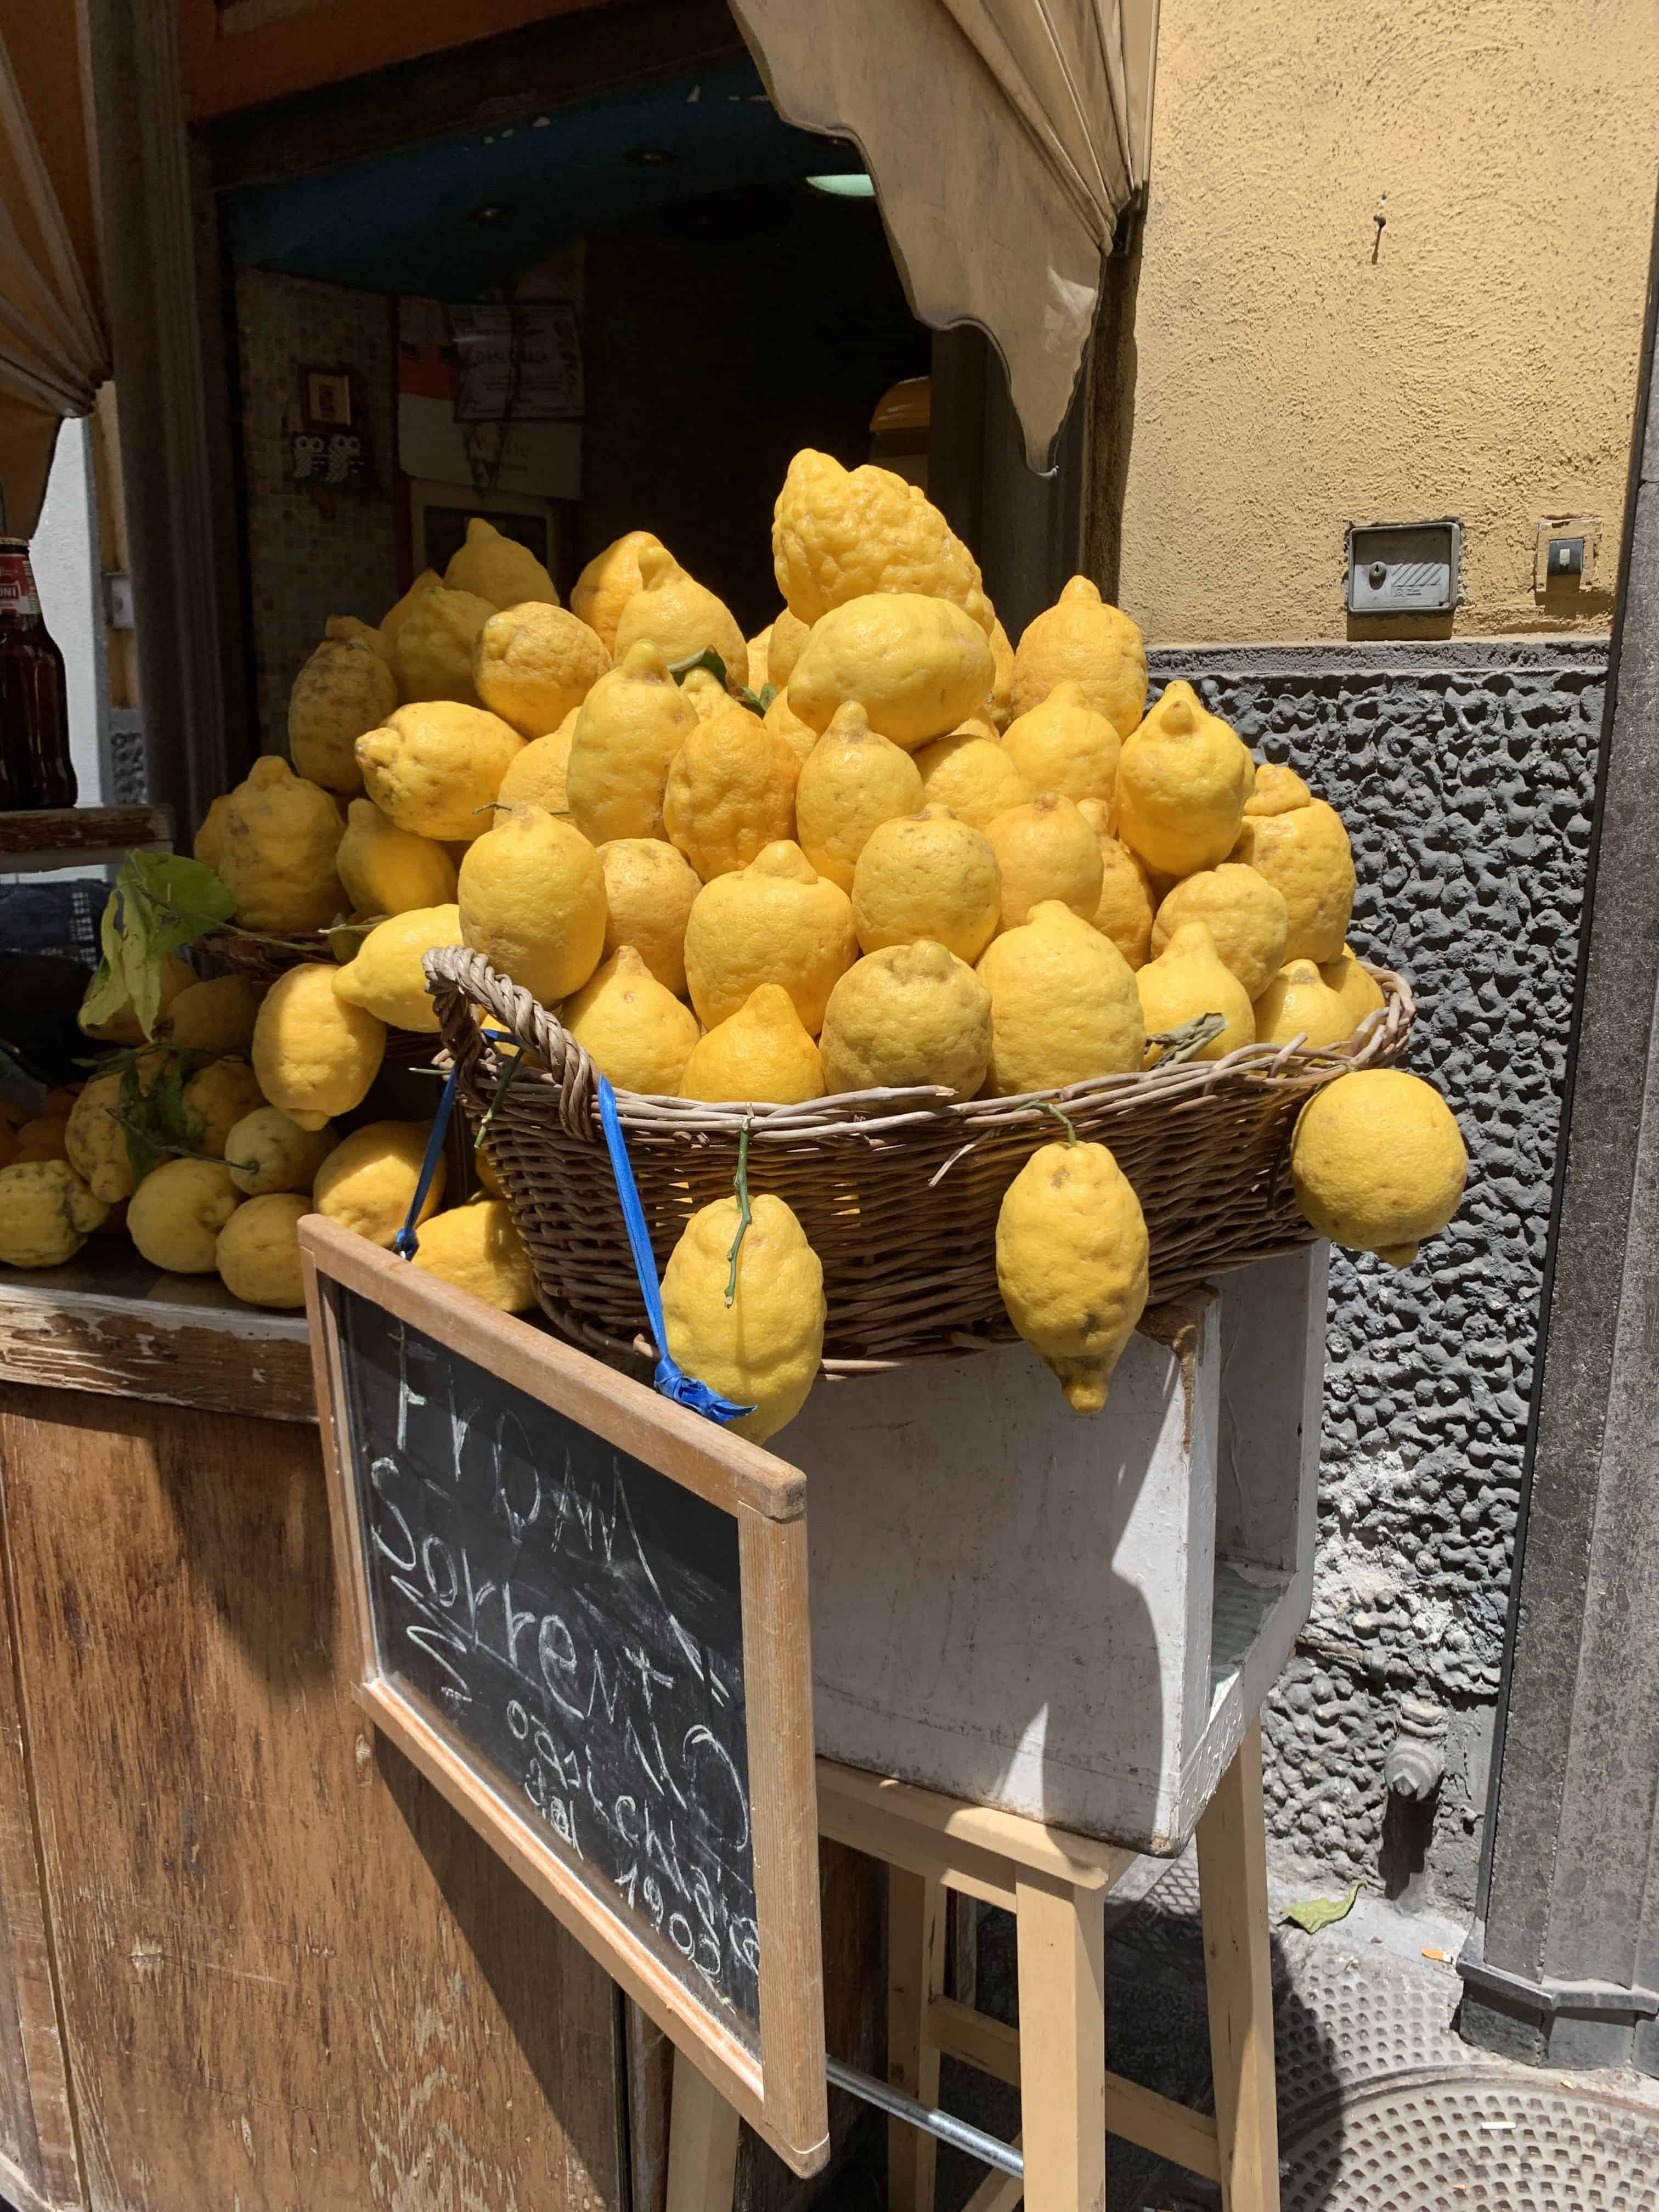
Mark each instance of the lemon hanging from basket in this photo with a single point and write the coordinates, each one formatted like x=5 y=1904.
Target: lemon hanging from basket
x=1072 y=1263
x=742 y=1306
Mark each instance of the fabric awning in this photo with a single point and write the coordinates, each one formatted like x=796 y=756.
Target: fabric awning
x=1005 y=137
x=54 y=351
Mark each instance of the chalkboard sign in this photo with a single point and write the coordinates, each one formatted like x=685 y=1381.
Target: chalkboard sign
x=582 y=1612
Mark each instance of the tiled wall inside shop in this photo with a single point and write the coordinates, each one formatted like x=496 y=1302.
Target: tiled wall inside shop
x=1465 y=774
x=313 y=549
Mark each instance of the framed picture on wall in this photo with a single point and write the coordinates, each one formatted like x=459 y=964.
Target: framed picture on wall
x=326 y=399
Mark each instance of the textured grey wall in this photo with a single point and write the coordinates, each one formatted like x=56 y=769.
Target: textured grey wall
x=1464 y=774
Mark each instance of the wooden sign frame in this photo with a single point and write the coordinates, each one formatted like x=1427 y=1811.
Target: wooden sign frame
x=783 y=2096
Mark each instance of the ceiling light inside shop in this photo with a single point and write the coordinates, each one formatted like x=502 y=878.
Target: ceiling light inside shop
x=855 y=185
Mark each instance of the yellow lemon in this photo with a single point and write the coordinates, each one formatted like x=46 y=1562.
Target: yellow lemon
x=926 y=875
x=534 y=664
x=209 y=843
x=650 y=889
x=398 y=613
x=278 y=837
x=1063 y=745
x=784 y=640
x=432 y=647
x=758 y=646
x=1379 y=1163
x=607 y=583
x=95 y=1140
x=1072 y=1265
x=1299 y=1003
x=1303 y=853
x=680 y=617
x=315 y=1056
x=216 y=1016
x=631 y=725
x=386 y=976
x=998 y=709
x=177 y=976
x=46 y=1213
x=1081 y=640
x=531 y=895
x=1181 y=785
x=1127 y=904
x=349 y=629
x=968 y=772
x=1063 y=1005
x=916 y=666
x=343 y=689
x=730 y=792
x=214 y=1100
x=176 y=1213
x=781 y=717
x=1189 y=979
x=759 y=1055
x=1244 y=914
x=537 y=775
x=258 y=1254
x=1277 y=790
x=498 y=568
x=906 y=1015
x=367 y=1183
x=386 y=870
x=775 y=921
x=266 y=1153
x=763 y=1349
x=839 y=533
x=634 y=1030
x=706 y=692
x=478 y=1248
x=851 y=782
x=435 y=767
x=1046 y=850
x=1358 y=988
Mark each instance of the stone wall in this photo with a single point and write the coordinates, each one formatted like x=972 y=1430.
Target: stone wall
x=1465 y=774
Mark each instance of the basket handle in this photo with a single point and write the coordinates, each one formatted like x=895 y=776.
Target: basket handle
x=684 y=1389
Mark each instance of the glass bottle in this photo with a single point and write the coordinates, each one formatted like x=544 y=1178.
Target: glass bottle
x=35 y=769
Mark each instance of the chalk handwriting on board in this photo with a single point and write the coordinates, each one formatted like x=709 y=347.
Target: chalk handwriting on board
x=576 y=1618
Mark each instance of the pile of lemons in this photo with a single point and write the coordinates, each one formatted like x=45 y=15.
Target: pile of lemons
x=878 y=845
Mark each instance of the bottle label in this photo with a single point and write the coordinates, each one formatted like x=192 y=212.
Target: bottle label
x=17 y=593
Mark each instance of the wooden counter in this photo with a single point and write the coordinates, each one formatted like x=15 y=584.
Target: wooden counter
x=248 y=1956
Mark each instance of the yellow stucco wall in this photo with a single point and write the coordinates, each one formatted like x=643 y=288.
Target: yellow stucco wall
x=1483 y=364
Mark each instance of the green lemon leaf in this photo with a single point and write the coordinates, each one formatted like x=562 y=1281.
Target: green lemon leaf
x=709 y=658
x=161 y=902
x=187 y=899
x=1314 y=1913
x=757 y=701
x=344 y=938
x=108 y=993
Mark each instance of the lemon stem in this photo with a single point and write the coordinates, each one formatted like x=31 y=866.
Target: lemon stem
x=506 y=1077
x=1071 y=1133
x=745 y=1214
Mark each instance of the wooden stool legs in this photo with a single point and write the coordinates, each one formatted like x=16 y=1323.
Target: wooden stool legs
x=1061 y=1934
x=1056 y=1887
x=1233 y=1888
x=915 y=1977
x=702 y=2144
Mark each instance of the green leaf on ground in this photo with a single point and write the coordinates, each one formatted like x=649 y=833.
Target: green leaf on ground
x=1314 y=1913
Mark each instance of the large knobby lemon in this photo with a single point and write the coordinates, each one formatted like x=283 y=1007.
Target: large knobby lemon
x=1379 y=1163
x=763 y=1349
x=1072 y=1265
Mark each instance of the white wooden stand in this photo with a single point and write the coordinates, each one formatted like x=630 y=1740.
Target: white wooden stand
x=1056 y=1886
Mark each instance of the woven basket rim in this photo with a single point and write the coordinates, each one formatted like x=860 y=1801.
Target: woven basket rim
x=456 y=976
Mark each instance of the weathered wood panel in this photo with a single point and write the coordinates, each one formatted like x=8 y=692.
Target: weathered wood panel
x=291 y=1977
x=40 y=2168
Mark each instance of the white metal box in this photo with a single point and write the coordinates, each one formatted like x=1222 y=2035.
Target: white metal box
x=1070 y=1618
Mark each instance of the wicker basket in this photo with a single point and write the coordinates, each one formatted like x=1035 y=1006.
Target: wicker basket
x=897 y=1192
x=263 y=959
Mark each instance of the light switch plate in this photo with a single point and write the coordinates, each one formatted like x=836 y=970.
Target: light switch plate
x=1405 y=567
x=1544 y=578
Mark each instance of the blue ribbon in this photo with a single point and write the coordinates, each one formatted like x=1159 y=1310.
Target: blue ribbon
x=684 y=1389
x=405 y=1243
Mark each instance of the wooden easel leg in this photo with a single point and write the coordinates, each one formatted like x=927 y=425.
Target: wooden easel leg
x=702 y=2144
x=915 y=1976
x=1061 y=1940
x=1232 y=1879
